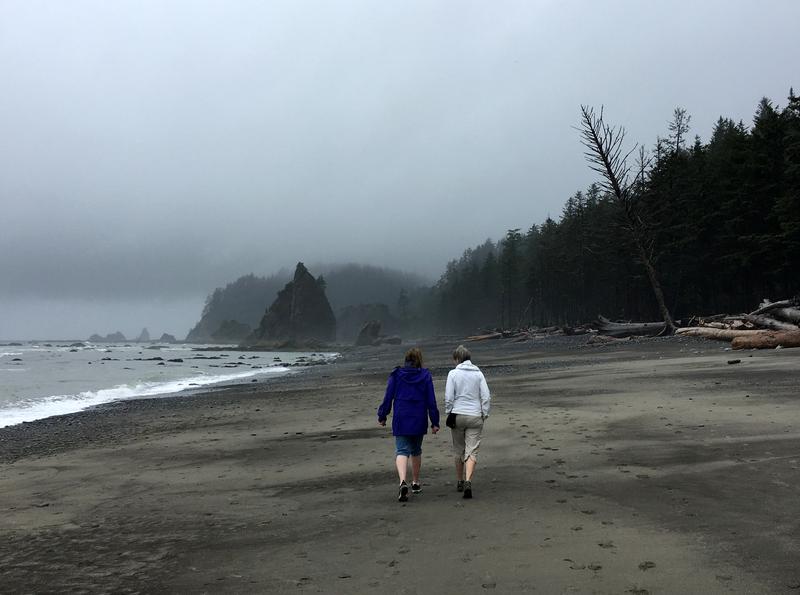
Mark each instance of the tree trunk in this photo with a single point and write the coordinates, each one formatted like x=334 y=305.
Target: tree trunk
x=669 y=324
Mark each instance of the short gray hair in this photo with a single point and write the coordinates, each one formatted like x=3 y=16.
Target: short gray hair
x=461 y=354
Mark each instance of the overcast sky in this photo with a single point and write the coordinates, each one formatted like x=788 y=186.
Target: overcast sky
x=153 y=150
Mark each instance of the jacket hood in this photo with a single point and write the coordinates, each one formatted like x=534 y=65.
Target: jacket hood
x=411 y=375
x=468 y=366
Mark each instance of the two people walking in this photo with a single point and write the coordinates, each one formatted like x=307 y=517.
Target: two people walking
x=467 y=403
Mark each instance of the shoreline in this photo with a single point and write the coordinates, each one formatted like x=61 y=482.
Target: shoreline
x=144 y=386
x=651 y=466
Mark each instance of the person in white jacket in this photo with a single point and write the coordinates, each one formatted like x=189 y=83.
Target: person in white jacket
x=467 y=397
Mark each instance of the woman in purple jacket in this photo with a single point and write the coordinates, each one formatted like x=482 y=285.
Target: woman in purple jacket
x=411 y=390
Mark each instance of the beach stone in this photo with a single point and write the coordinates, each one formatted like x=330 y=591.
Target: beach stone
x=370 y=333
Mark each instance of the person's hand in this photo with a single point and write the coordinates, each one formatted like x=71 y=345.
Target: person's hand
x=382 y=423
x=435 y=429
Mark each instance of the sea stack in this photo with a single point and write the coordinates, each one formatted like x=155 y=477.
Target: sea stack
x=301 y=312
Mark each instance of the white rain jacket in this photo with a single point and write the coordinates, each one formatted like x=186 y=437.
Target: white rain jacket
x=466 y=391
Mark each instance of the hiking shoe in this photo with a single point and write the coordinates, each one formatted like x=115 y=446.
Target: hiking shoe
x=403 y=495
x=467 y=489
x=416 y=488
x=460 y=485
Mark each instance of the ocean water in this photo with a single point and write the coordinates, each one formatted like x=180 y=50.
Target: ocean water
x=45 y=379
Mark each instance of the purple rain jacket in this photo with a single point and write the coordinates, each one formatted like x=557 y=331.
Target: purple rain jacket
x=411 y=389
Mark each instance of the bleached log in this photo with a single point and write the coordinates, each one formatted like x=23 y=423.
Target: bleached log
x=770 y=323
x=767 y=340
x=766 y=305
x=720 y=334
x=627 y=329
x=787 y=314
x=484 y=337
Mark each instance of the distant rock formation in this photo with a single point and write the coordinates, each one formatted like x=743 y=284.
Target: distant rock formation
x=117 y=337
x=167 y=338
x=144 y=336
x=370 y=334
x=351 y=319
x=231 y=331
x=347 y=285
x=301 y=312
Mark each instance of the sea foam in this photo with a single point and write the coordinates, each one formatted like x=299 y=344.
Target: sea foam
x=62 y=404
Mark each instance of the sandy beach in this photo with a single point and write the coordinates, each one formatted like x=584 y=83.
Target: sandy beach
x=651 y=466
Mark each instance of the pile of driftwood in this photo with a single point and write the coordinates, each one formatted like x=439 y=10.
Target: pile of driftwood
x=773 y=324
x=527 y=333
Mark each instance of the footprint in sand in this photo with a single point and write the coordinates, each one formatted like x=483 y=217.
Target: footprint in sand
x=647 y=565
x=574 y=565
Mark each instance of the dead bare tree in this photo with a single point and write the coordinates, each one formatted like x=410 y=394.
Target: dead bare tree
x=604 y=151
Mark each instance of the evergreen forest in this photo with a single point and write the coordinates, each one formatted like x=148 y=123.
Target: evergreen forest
x=722 y=220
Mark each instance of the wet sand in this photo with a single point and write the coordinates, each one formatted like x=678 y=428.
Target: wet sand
x=650 y=466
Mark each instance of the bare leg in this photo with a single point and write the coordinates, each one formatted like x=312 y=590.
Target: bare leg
x=459 y=469
x=416 y=464
x=402 y=467
x=470 y=468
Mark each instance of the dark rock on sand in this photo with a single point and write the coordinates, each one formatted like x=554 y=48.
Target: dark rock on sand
x=351 y=319
x=369 y=333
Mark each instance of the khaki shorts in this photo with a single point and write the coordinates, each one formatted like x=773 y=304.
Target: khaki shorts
x=467 y=436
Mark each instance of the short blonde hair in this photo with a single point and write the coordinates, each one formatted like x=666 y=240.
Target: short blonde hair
x=461 y=354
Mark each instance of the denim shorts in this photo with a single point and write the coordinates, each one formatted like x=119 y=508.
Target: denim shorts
x=409 y=446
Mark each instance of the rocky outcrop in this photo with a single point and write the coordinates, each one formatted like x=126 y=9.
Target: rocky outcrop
x=231 y=331
x=371 y=334
x=167 y=338
x=301 y=312
x=117 y=337
x=144 y=336
x=351 y=319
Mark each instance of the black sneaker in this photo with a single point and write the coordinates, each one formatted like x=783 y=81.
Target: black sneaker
x=460 y=485
x=403 y=495
x=467 y=489
x=416 y=488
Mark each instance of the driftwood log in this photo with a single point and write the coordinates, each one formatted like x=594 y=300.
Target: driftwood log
x=770 y=323
x=766 y=305
x=720 y=334
x=628 y=329
x=788 y=310
x=485 y=337
x=767 y=340
x=787 y=314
